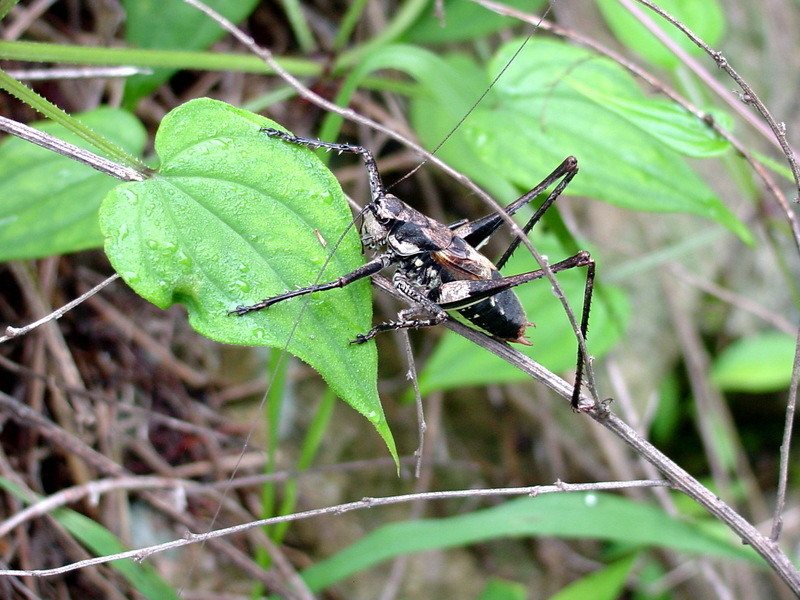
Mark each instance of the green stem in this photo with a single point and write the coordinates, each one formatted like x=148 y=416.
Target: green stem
x=5 y=6
x=274 y=402
x=348 y=23
x=208 y=61
x=54 y=113
x=302 y=32
x=200 y=61
x=407 y=15
x=313 y=439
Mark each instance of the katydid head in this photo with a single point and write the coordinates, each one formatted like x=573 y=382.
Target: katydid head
x=379 y=218
x=404 y=230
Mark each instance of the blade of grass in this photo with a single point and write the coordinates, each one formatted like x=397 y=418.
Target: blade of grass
x=200 y=61
x=302 y=32
x=5 y=6
x=55 y=114
x=348 y=23
x=314 y=436
x=274 y=404
x=404 y=18
x=308 y=452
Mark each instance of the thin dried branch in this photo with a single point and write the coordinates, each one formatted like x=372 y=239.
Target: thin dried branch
x=71 y=445
x=411 y=375
x=179 y=486
x=748 y=95
x=93 y=490
x=783 y=475
x=13 y=332
x=365 y=503
x=49 y=142
x=679 y=478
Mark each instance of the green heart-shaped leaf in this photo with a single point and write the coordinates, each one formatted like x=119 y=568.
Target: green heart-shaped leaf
x=232 y=217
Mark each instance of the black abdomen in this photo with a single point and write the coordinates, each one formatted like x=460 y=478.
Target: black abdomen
x=501 y=315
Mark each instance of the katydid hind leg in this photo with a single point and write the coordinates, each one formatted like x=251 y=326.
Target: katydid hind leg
x=580 y=366
x=570 y=169
x=457 y=295
x=477 y=232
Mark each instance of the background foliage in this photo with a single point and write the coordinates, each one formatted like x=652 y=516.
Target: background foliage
x=692 y=330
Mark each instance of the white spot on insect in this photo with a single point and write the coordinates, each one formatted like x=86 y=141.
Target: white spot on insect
x=418 y=262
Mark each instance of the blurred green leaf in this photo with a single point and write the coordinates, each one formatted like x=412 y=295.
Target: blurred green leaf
x=666 y=121
x=457 y=362
x=501 y=589
x=604 y=584
x=173 y=25
x=48 y=202
x=760 y=363
x=540 y=116
x=464 y=21
x=435 y=116
x=706 y=19
x=548 y=105
x=570 y=516
x=233 y=217
x=669 y=414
